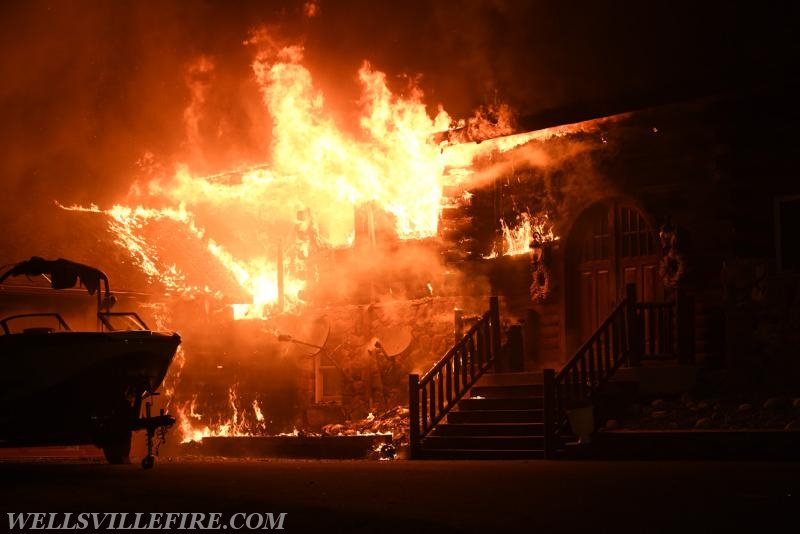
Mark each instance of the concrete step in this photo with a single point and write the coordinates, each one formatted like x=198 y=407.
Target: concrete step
x=496 y=416
x=500 y=403
x=484 y=442
x=518 y=390
x=489 y=429
x=472 y=454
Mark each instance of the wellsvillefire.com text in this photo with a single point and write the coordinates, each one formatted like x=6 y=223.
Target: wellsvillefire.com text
x=146 y=521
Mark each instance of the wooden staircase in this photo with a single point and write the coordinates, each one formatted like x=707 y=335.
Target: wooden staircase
x=461 y=410
x=502 y=418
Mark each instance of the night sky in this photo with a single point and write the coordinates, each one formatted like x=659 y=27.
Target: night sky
x=89 y=86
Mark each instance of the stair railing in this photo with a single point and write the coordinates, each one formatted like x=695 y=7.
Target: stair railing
x=614 y=342
x=666 y=329
x=433 y=395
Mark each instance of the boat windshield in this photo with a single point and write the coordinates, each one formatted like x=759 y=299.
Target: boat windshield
x=115 y=321
x=34 y=323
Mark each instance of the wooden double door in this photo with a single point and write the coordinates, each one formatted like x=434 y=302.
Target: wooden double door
x=612 y=245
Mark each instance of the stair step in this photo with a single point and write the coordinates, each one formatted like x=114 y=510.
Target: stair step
x=496 y=416
x=477 y=454
x=484 y=442
x=489 y=429
x=500 y=403
x=511 y=379
x=515 y=390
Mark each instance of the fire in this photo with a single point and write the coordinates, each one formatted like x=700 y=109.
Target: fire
x=261 y=222
x=529 y=229
x=241 y=422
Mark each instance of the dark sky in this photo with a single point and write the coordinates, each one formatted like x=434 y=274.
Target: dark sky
x=89 y=85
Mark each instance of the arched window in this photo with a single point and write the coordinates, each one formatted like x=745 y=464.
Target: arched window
x=636 y=236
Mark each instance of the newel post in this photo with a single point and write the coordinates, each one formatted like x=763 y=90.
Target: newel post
x=684 y=308
x=413 y=416
x=494 y=312
x=634 y=327
x=549 y=413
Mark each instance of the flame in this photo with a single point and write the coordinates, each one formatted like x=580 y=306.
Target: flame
x=257 y=411
x=261 y=222
x=529 y=229
x=239 y=421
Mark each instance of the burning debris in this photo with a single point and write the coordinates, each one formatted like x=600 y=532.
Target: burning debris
x=394 y=422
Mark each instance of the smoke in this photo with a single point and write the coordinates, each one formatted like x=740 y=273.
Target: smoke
x=89 y=85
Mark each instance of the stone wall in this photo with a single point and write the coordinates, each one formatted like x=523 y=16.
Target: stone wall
x=411 y=336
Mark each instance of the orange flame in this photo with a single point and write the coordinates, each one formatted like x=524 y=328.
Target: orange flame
x=249 y=218
x=261 y=222
x=529 y=229
x=241 y=421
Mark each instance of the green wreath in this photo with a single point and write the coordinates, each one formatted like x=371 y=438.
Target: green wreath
x=671 y=269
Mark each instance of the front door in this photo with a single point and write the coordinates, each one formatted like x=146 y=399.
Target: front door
x=611 y=245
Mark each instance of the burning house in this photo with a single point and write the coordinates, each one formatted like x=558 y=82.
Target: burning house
x=308 y=287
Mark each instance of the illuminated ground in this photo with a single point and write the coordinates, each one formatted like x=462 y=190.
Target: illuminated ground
x=414 y=496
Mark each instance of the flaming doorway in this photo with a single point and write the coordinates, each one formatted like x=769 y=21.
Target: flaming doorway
x=612 y=244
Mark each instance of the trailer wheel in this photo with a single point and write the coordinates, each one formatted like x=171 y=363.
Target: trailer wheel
x=148 y=462
x=117 y=448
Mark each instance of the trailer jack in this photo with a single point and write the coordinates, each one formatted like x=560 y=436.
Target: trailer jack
x=153 y=424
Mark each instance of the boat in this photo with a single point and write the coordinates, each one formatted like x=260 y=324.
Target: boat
x=61 y=386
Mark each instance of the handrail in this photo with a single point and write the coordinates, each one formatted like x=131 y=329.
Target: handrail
x=631 y=331
x=597 y=359
x=612 y=343
x=657 y=326
x=439 y=390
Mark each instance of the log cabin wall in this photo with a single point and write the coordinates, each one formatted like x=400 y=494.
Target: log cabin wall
x=710 y=172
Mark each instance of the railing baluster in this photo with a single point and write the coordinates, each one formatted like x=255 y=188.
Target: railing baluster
x=423 y=412
x=479 y=357
x=432 y=399
x=448 y=382
x=615 y=348
x=603 y=357
x=550 y=413
x=592 y=372
x=582 y=373
x=472 y=369
x=464 y=363
x=671 y=329
x=494 y=314
x=487 y=344
x=413 y=416
x=576 y=380
x=456 y=372
x=622 y=339
x=440 y=392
